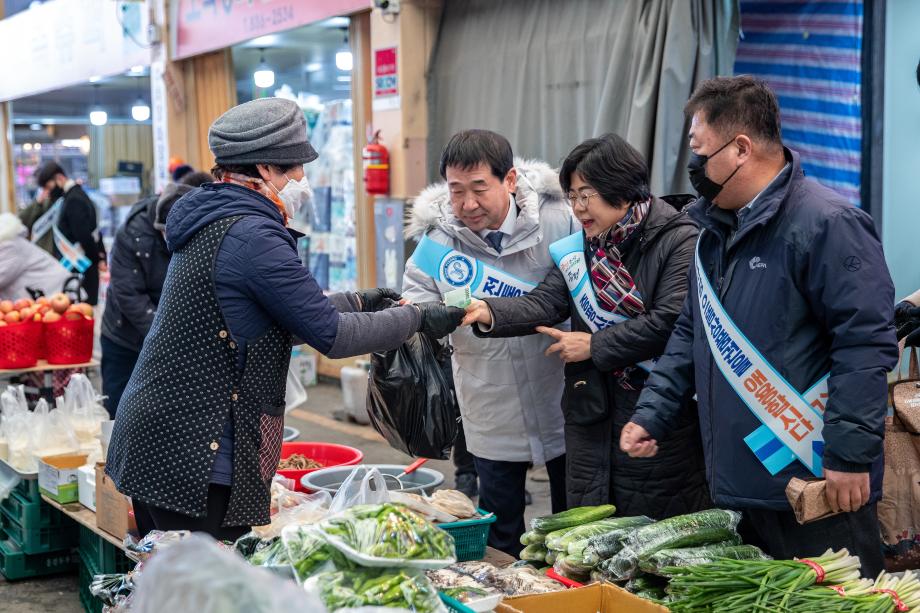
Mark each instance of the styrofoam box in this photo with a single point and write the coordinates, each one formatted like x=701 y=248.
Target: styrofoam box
x=86 y=484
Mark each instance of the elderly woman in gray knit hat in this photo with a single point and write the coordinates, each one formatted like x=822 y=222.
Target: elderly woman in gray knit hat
x=198 y=431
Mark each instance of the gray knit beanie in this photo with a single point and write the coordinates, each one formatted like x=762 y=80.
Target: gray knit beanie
x=263 y=131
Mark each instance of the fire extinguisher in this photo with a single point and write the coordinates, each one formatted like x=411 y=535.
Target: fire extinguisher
x=376 y=167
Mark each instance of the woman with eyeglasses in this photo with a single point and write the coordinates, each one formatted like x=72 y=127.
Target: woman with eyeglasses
x=622 y=280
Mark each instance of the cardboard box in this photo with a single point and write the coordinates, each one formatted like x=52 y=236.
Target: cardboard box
x=57 y=476
x=112 y=507
x=594 y=598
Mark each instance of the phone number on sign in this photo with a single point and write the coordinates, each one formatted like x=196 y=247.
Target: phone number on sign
x=277 y=16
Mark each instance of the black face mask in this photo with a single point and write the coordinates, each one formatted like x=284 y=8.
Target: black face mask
x=704 y=186
x=56 y=193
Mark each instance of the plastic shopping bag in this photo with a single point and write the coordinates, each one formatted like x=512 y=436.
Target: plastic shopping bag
x=410 y=400
x=361 y=486
x=198 y=575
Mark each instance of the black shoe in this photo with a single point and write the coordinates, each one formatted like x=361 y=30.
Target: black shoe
x=528 y=499
x=467 y=484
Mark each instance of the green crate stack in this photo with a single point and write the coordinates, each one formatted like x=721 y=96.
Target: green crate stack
x=101 y=556
x=97 y=556
x=90 y=603
x=37 y=539
x=16 y=564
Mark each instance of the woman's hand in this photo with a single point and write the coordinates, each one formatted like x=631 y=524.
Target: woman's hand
x=572 y=346
x=378 y=299
x=637 y=442
x=478 y=312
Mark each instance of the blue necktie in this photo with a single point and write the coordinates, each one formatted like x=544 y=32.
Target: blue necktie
x=495 y=239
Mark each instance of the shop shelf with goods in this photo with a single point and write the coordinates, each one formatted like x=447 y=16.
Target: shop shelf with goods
x=16 y=564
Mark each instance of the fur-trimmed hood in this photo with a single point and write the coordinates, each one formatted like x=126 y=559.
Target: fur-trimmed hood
x=537 y=184
x=10 y=227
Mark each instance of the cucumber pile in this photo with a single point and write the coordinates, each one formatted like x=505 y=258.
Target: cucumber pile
x=588 y=544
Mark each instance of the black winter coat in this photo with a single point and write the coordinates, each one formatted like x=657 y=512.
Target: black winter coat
x=138 y=268
x=79 y=224
x=803 y=275
x=673 y=482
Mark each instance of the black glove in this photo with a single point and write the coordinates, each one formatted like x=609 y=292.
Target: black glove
x=438 y=320
x=906 y=320
x=377 y=299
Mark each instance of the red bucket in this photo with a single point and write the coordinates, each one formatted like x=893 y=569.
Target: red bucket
x=19 y=344
x=69 y=341
x=327 y=454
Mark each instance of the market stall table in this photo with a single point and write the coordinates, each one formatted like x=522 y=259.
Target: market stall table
x=48 y=370
x=85 y=517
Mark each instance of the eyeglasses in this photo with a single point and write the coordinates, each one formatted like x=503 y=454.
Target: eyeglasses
x=582 y=198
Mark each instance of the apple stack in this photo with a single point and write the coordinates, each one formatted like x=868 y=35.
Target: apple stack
x=53 y=327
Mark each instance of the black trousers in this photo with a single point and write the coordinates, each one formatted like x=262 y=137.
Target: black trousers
x=781 y=536
x=501 y=491
x=154 y=518
x=117 y=365
x=463 y=459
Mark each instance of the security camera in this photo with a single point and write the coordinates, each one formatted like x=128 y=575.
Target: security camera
x=387 y=7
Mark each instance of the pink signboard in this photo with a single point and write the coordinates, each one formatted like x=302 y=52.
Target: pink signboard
x=385 y=72
x=208 y=25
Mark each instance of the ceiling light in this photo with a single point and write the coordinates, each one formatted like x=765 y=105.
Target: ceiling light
x=313 y=67
x=264 y=41
x=38 y=146
x=264 y=76
x=136 y=70
x=343 y=78
x=35 y=127
x=344 y=60
x=98 y=117
x=95 y=78
x=140 y=111
x=27 y=147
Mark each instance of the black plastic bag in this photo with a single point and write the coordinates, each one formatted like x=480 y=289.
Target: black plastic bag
x=410 y=398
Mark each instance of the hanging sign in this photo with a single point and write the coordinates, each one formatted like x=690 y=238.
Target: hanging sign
x=386 y=79
x=208 y=25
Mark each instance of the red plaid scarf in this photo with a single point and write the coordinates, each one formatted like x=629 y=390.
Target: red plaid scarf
x=616 y=291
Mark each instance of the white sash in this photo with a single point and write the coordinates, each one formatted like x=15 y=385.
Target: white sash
x=72 y=256
x=47 y=221
x=569 y=255
x=792 y=422
x=452 y=269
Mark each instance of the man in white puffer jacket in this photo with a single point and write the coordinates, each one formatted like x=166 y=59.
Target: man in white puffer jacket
x=24 y=266
x=488 y=227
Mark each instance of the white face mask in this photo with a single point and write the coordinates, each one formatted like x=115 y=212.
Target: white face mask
x=295 y=195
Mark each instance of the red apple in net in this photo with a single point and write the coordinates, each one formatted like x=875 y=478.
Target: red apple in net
x=60 y=302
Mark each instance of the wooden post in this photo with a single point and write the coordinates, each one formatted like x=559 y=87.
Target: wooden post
x=7 y=185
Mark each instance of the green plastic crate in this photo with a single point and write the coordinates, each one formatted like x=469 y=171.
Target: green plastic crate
x=40 y=539
x=470 y=536
x=16 y=564
x=90 y=603
x=28 y=489
x=102 y=556
x=30 y=513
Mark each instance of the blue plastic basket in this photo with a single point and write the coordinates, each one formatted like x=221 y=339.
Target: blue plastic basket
x=470 y=536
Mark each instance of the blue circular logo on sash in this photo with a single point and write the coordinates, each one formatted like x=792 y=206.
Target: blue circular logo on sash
x=458 y=271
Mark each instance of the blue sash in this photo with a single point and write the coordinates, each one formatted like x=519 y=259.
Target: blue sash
x=792 y=422
x=452 y=269
x=569 y=255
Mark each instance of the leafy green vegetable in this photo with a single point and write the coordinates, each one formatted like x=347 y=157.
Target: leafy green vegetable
x=391 y=531
x=377 y=587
